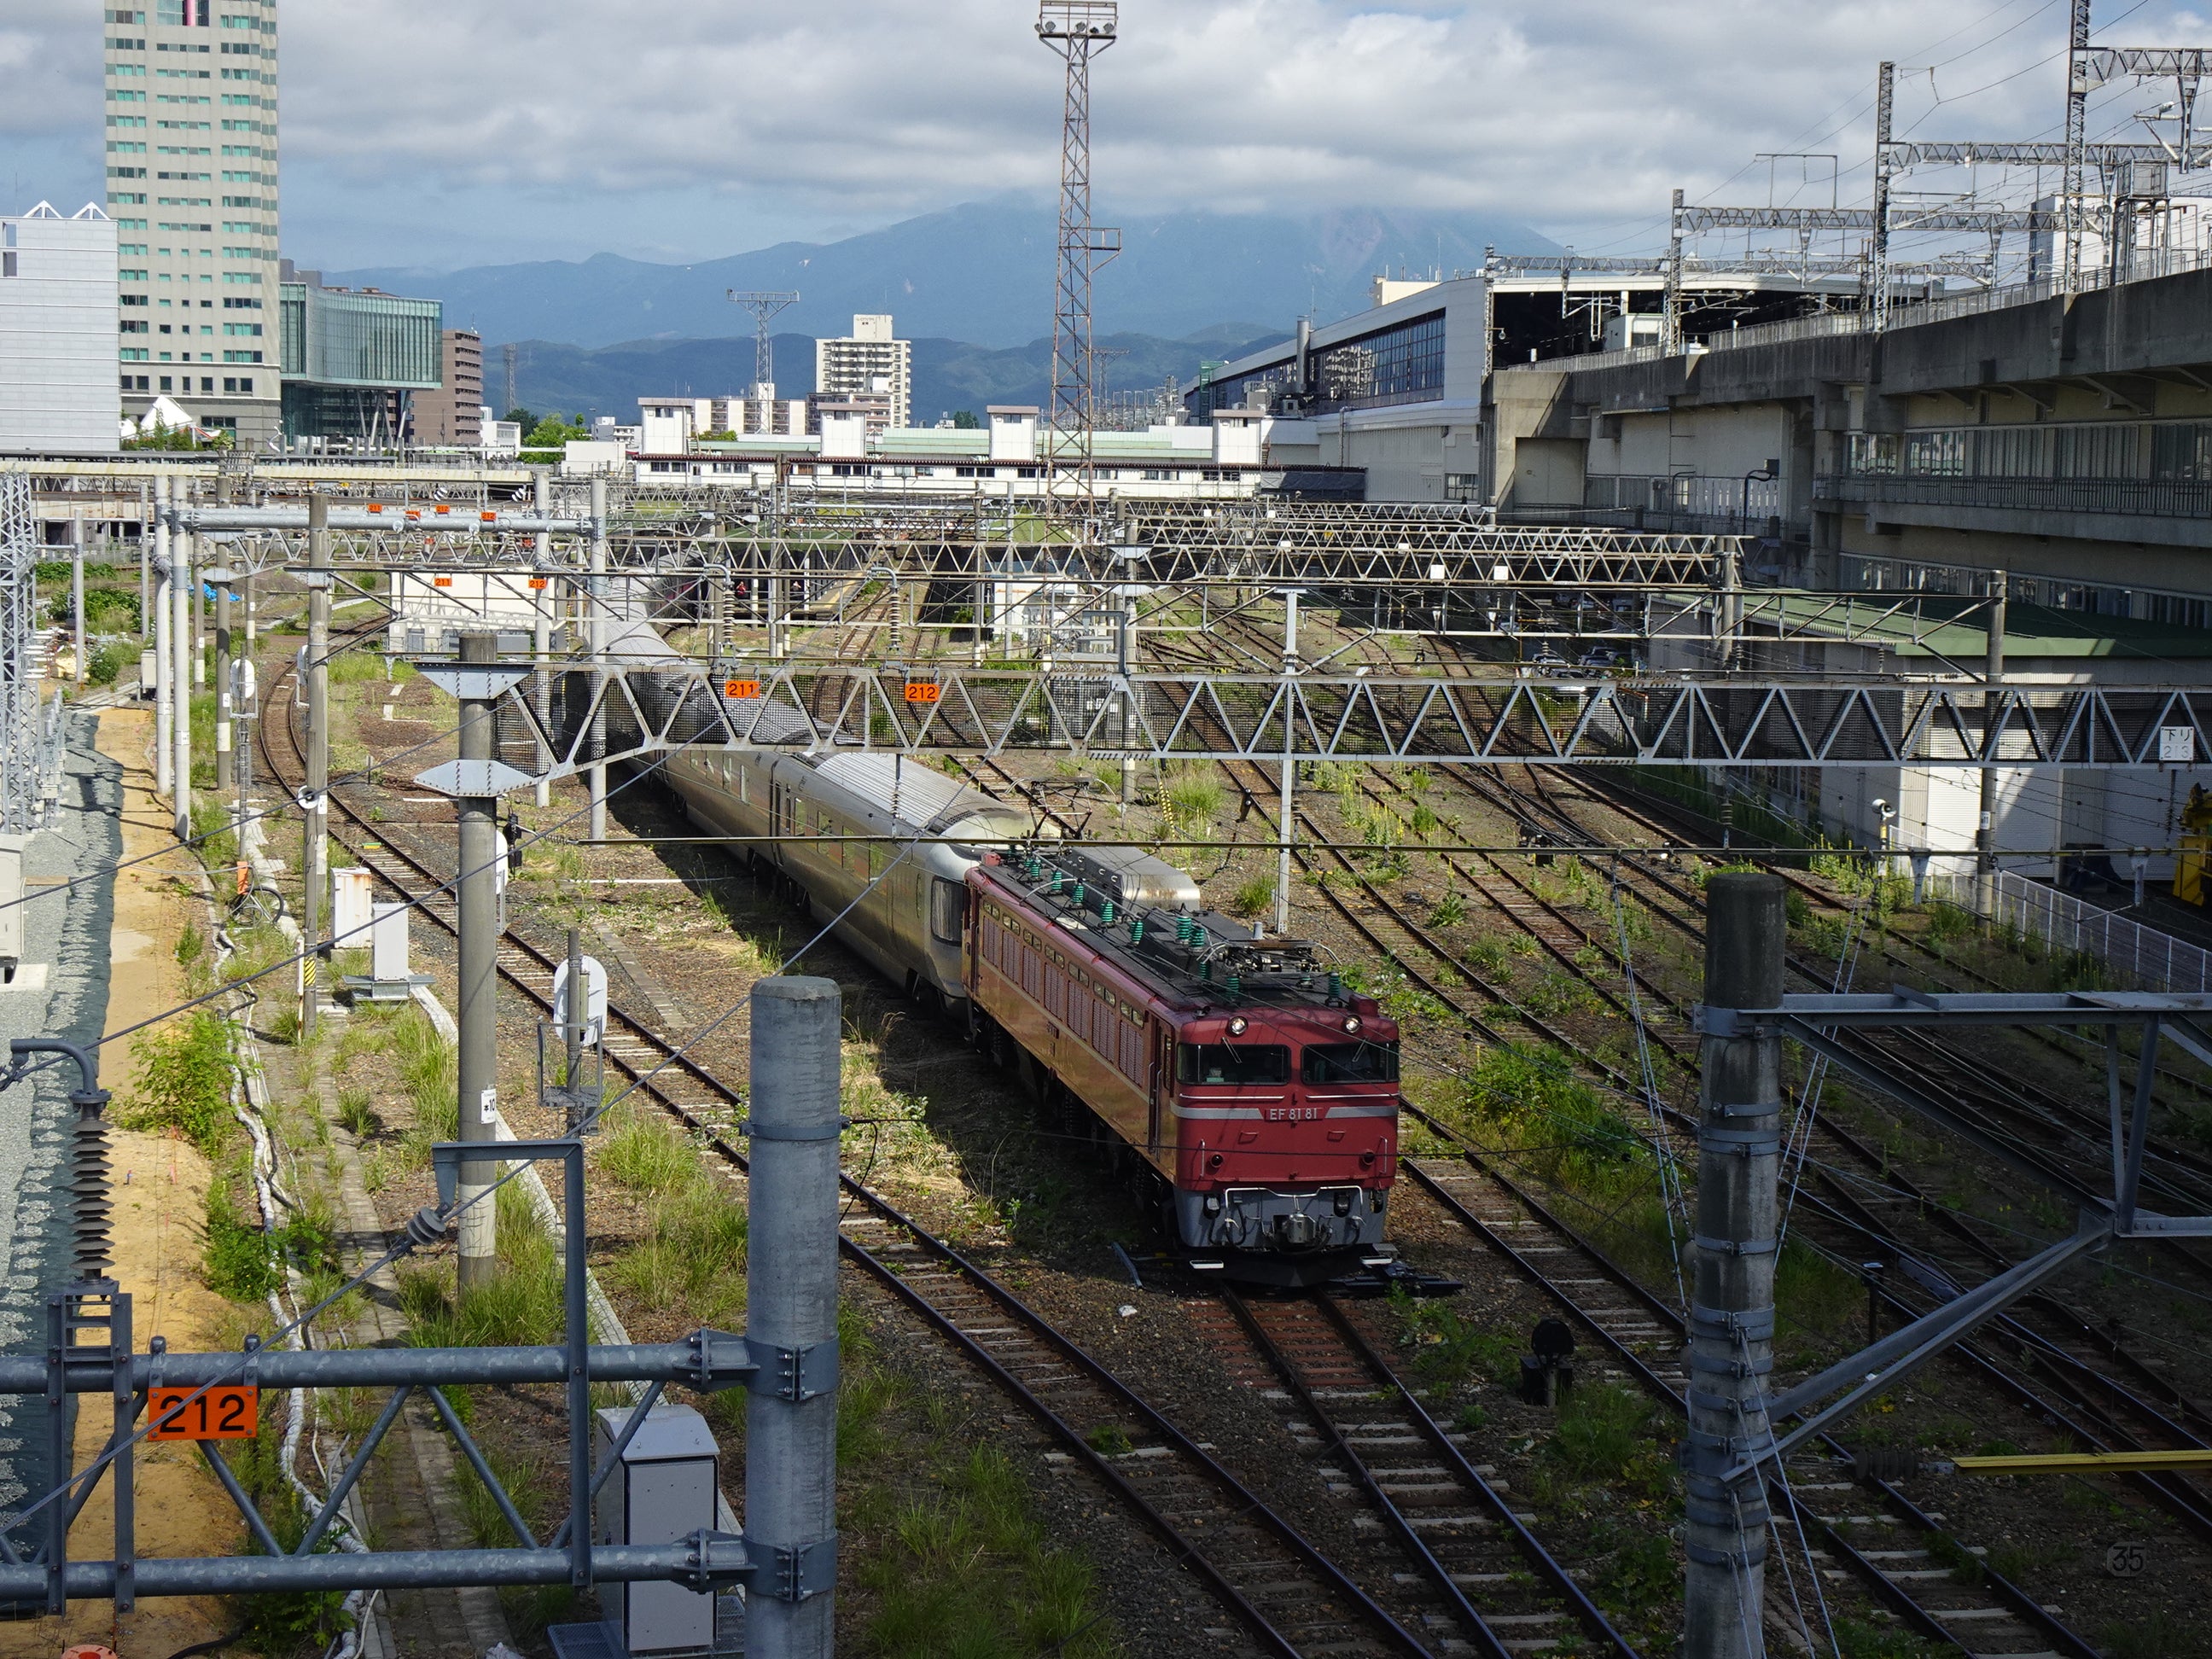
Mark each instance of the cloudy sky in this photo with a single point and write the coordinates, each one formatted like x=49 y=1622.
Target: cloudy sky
x=442 y=133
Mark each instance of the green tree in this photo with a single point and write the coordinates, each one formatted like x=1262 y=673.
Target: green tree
x=521 y=417
x=965 y=420
x=552 y=432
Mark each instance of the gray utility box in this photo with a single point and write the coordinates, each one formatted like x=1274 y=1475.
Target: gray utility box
x=663 y=1490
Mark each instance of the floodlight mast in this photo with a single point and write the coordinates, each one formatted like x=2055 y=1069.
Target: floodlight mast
x=1077 y=30
x=763 y=303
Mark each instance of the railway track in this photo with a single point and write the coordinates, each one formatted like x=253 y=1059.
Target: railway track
x=1065 y=1390
x=2093 y=1403
x=1280 y=1593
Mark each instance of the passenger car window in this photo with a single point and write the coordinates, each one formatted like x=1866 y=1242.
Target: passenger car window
x=1350 y=1062
x=947 y=899
x=1225 y=1062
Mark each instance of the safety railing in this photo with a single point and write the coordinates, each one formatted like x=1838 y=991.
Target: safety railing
x=2156 y=498
x=2139 y=958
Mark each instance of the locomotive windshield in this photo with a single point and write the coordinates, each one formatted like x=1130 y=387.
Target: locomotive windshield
x=1351 y=1062
x=1223 y=1062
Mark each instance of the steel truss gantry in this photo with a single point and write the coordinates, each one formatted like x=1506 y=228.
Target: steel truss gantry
x=1149 y=543
x=652 y=708
x=1940 y=217
x=29 y=752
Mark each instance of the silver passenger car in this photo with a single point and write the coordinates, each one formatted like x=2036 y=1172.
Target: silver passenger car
x=908 y=924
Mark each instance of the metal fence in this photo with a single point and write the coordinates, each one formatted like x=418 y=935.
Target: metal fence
x=2140 y=957
x=2157 y=498
x=1937 y=308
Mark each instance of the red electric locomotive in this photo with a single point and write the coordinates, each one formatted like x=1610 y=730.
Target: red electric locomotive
x=1236 y=1066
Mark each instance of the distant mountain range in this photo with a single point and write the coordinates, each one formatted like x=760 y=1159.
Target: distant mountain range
x=948 y=375
x=982 y=272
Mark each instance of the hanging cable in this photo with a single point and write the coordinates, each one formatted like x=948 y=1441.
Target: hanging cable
x=1799 y=1141
x=1673 y=1195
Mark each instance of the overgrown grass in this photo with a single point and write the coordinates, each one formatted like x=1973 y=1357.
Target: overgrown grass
x=970 y=1575
x=1449 y=1348
x=1859 y=1641
x=694 y=1258
x=1604 y=1433
x=1554 y=1124
x=520 y=1307
x=1254 y=897
x=238 y=1261
x=181 y=1081
x=1194 y=797
x=429 y=1072
x=640 y=1154
x=529 y=1608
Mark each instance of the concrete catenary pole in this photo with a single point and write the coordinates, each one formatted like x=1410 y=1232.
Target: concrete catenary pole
x=1985 y=826
x=197 y=605
x=180 y=680
x=76 y=593
x=478 y=1058
x=163 y=713
x=791 y=1278
x=1731 y=1311
x=146 y=534
x=224 y=704
x=315 y=817
x=1290 y=762
x=541 y=628
x=597 y=775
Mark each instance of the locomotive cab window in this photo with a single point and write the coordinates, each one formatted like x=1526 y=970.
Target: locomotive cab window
x=947 y=899
x=1225 y=1062
x=1350 y=1062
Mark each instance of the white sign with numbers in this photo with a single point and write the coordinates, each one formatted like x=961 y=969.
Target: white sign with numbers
x=2176 y=743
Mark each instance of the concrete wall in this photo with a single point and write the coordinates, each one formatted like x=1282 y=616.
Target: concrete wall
x=2140 y=352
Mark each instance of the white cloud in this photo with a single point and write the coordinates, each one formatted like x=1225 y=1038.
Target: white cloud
x=1564 y=114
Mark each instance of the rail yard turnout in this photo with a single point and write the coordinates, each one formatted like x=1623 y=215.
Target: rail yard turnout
x=1277 y=1209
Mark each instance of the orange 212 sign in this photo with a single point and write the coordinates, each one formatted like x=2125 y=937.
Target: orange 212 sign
x=229 y=1411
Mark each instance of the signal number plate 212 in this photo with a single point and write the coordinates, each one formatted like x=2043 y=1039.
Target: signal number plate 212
x=231 y=1411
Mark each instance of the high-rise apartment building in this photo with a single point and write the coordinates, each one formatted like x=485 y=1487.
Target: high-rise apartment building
x=453 y=416
x=849 y=368
x=191 y=185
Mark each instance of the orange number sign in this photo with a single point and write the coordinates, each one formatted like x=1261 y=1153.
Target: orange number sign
x=741 y=687
x=230 y=1412
x=923 y=691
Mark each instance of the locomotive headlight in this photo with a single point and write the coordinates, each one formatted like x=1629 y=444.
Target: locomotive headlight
x=1351 y=1023
x=1239 y=1025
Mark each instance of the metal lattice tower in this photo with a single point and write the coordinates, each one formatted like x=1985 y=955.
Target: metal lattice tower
x=22 y=750
x=1878 y=244
x=2072 y=205
x=763 y=303
x=1078 y=30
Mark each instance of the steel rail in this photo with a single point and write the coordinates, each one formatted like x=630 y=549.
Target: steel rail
x=2022 y=1605
x=1189 y=1552
x=1546 y=1565
x=1486 y=1639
